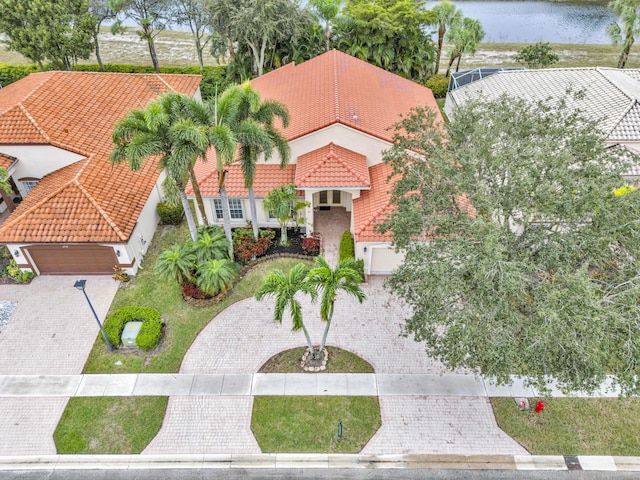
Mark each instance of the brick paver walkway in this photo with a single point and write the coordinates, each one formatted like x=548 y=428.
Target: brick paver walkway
x=244 y=336
x=51 y=332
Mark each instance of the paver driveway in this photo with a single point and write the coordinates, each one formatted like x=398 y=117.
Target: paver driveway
x=51 y=332
x=244 y=336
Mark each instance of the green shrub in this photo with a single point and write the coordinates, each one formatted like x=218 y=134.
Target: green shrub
x=347 y=249
x=150 y=330
x=439 y=84
x=360 y=268
x=170 y=214
x=17 y=274
x=13 y=73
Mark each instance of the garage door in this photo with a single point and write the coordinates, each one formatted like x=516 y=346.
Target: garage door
x=72 y=259
x=384 y=260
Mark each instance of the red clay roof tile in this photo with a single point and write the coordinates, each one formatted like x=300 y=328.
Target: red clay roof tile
x=332 y=166
x=373 y=205
x=267 y=177
x=88 y=201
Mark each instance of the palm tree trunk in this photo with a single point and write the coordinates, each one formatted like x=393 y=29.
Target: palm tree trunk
x=198 y=195
x=451 y=60
x=284 y=240
x=326 y=330
x=458 y=64
x=309 y=344
x=187 y=212
x=226 y=219
x=624 y=55
x=254 y=213
x=95 y=39
x=441 y=32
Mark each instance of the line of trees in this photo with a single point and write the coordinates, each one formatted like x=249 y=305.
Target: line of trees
x=251 y=37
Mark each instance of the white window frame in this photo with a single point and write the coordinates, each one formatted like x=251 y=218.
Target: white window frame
x=235 y=208
x=28 y=185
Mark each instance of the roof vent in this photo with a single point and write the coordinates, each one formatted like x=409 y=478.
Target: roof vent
x=355 y=117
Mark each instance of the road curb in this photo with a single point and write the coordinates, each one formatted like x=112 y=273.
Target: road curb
x=322 y=461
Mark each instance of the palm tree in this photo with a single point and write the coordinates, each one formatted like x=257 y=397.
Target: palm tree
x=257 y=134
x=175 y=264
x=282 y=203
x=161 y=129
x=446 y=15
x=466 y=36
x=627 y=10
x=327 y=11
x=211 y=246
x=216 y=276
x=284 y=288
x=344 y=277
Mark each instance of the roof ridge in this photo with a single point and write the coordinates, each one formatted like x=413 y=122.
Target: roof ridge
x=351 y=170
x=335 y=86
x=619 y=120
x=47 y=76
x=76 y=181
x=26 y=113
x=11 y=220
x=165 y=82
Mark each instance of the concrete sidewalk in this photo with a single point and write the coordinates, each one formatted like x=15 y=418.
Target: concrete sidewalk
x=341 y=384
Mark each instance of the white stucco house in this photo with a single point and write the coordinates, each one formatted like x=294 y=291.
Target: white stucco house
x=608 y=95
x=78 y=214
x=341 y=113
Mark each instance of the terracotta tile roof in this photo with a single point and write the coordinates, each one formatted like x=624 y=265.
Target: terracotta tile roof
x=88 y=201
x=332 y=166
x=6 y=160
x=373 y=206
x=338 y=88
x=267 y=177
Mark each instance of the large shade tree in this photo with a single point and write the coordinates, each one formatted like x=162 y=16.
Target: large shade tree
x=628 y=26
x=101 y=12
x=162 y=130
x=150 y=15
x=194 y=14
x=521 y=247
x=55 y=31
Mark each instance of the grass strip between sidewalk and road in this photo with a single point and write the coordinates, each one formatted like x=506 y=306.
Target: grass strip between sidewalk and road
x=573 y=426
x=309 y=424
x=109 y=425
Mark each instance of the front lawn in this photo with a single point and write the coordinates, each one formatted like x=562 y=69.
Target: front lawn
x=574 y=426
x=310 y=424
x=109 y=425
x=182 y=322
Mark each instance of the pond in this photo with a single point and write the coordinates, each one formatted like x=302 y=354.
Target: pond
x=539 y=21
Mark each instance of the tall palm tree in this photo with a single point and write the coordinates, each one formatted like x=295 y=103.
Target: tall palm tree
x=256 y=134
x=327 y=11
x=284 y=288
x=466 y=36
x=446 y=15
x=627 y=29
x=161 y=130
x=330 y=281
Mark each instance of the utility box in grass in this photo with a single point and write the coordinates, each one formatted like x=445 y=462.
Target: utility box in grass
x=129 y=334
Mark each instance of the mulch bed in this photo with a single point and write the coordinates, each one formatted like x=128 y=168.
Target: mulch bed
x=295 y=240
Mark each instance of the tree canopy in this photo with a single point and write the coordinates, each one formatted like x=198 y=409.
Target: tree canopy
x=522 y=244
x=55 y=31
x=538 y=55
x=391 y=34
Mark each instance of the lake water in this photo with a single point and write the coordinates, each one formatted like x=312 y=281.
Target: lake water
x=539 y=21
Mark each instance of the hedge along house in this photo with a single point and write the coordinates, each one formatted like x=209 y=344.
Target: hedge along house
x=78 y=214
x=341 y=110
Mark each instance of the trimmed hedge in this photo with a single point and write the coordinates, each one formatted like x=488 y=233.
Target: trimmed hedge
x=213 y=78
x=150 y=330
x=347 y=248
x=439 y=84
x=170 y=214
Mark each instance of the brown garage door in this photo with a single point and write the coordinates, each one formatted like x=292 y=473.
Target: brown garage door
x=72 y=259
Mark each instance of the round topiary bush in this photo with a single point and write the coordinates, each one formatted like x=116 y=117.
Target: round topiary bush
x=150 y=330
x=438 y=84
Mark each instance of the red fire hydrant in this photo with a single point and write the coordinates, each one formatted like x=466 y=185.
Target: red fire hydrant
x=539 y=407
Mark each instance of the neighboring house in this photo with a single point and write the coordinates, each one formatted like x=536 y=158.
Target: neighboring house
x=610 y=96
x=78 y=214
x=341 y=111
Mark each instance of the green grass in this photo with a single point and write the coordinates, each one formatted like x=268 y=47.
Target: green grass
x=109 y=425
x=339 y=361
x=574 y=426
x=182 y=322
x=310 y=424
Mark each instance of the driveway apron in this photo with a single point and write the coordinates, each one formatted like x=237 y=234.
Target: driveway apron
x=51 y=331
